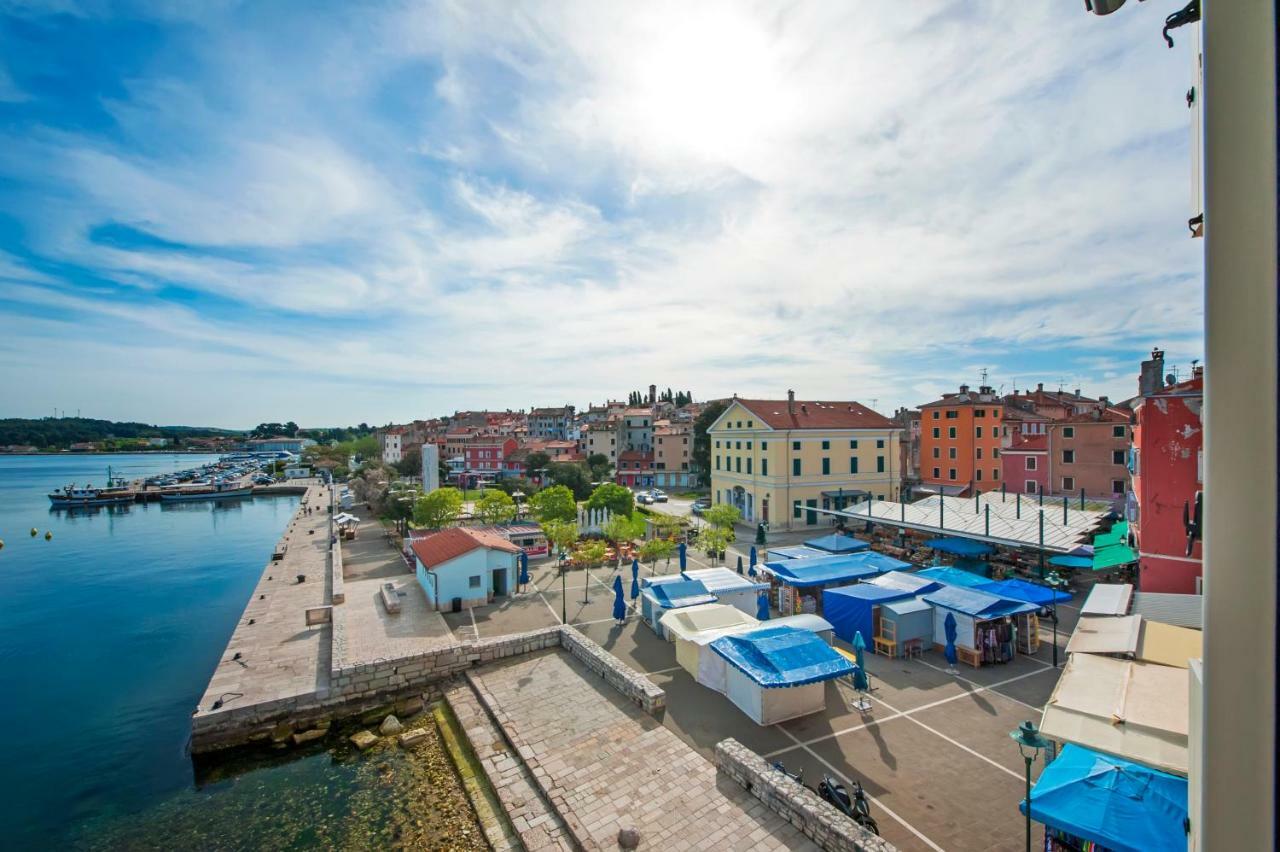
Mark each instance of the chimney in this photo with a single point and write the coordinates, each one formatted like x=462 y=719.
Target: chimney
x=1106 y=401
x=1077 y=391
x=791 y=402
x=1149 y=380
x=964 y=389
x=1197 y=371
x=1039 y=387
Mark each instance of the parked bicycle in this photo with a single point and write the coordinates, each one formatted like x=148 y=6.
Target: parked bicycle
x=856 y=808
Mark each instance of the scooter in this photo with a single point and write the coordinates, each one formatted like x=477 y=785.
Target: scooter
x=798 y=777
x=856 y=808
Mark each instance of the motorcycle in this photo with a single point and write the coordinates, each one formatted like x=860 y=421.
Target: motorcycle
x=856 y=808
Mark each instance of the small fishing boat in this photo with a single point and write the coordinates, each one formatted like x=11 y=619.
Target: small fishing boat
x=221 y=491
x=117 y=491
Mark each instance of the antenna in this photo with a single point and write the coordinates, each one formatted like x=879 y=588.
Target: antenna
x=874 y=400
x=984 y=375
x=1062 y=383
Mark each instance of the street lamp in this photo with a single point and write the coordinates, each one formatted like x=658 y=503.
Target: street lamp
x=1055 y=582
x=564 y=589
x=1029 y=744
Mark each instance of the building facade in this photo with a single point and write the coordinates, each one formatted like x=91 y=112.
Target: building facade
x=459 y=568
x=551 y=424
x=391 y=442
x=960 y=442
x=780 y=461
x=672 y=455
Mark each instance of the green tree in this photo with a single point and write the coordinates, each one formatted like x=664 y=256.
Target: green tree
x=713 y=541
x=561 y=534
x=623 y=530
x=495 y=507
x=554 y=504
x=614 y=497
x=601 y=467
x=575 y=477
x=702 y=441
x=722 y=516
x=535 y=462
x=438 y=509
x=410 y=463
x=654 y=549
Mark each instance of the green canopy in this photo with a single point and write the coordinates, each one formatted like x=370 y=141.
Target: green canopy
x=1113 y=556
x=1118 y=534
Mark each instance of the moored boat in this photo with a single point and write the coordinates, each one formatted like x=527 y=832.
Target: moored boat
x=117 y=491
x=222 y=491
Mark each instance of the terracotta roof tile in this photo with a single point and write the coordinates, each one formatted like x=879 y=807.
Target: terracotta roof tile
x=816 y=415
x=439 y=548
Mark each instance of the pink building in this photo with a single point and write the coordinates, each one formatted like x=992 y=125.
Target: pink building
x=1025 y=464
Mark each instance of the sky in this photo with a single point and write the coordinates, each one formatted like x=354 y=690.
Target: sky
x=221 y=213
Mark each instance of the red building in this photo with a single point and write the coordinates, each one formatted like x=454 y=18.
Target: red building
x=1025 y=463
x=484 y=457
x=635 y=469
x=1166 y=475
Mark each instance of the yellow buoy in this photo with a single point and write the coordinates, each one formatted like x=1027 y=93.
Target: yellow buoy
x=34 y=532
x=1 y=544
x=48 y=536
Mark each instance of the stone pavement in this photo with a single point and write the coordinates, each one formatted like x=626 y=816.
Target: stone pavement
x=371 y=633
x=606 y=765
x=280 y=657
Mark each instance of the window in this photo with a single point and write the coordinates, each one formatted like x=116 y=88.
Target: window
x=951 y=432
x=879 y=464
x=1117 y=456
x=1117 y=486
x=953 y=414
x=751 y=424
x=979 y=412
x=826 y=445
x=811 y=515
x=474 y=582
x=764 y=467
x=717 y=496
x=764 y=445
x=1030 y=463
x=739 y=424
x=853 y=445
x=748 y=464
x=795 y=445
x=826 y=465
x=977 y=432
x=738 y=445
x=717 y=445
x=978 y=474
x=995 y=412
x=717 y=462
x=1068 y=456
x=951 y=452
x=795 y=467
x=937 y=452
x=977 y=452
x=951 y=474
x=1117 y=431
x=995 y=452
x=995 y=473
x=1030 y=487
x=880 y=444
x=935 y=414
x=937 y=473
x=1068 y=431
x=1068 y=483
x=795 y=509
x=937 y=433
x=738 y=464
x=748 y=445
x=853 y=462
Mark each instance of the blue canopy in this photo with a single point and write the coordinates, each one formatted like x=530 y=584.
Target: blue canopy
x=796 y=552
x=849 y=608
x=837 y=543
x=960 y=546
x=1021 y=590
x=680 y=593
x=825 y=570
x=1121 y=805
x=949 y=576
x=1066 y=561
x=907 y=582
x=972 y=602
x=782 y=656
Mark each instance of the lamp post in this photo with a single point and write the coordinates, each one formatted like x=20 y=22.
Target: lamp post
x=1054 y=580
x=564 y=590
x=1029 y=744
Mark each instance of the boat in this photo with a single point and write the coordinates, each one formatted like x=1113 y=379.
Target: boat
x=117 y=491
x=221 y=491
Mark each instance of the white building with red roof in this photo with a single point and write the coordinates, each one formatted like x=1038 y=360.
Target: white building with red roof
x=461 y=567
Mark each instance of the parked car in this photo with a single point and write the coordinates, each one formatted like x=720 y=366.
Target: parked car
x=644 y=498
x=700 y=505
x=658 y=495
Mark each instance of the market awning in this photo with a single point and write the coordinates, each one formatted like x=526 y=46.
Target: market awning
x=949 y=576
x=1105 y=634
x=680 y=594
x=795 y=552
x=980 y=605
x=1108 y=599
x=932 y=488
x=1066 y=561
x=826 y=570
x=906 y=581
x=782 y=656
x=1169 y=645
x=960 y=546
x=1021 y=590
x=836 y=543
x=1120 y=805
x=1113 y=556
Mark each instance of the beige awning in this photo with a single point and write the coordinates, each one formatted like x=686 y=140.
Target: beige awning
x=694 y=622
x=1130 y=709
x=1101 y=634
x=1169 y=645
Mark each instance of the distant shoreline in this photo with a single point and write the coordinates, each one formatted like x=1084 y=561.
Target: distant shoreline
x=122 y=453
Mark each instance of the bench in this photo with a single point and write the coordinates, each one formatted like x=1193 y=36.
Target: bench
x=390 y=598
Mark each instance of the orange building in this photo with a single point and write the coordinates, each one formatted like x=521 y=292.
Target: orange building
x=960 y=442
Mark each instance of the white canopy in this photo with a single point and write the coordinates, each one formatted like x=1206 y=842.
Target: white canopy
x=692 y=623
x=1108 y=599
x=1100 y=634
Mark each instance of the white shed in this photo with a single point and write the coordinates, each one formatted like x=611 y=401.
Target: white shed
x=778 y=673
x=694 y=628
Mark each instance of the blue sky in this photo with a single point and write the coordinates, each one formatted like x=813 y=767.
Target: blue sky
x=224 y=213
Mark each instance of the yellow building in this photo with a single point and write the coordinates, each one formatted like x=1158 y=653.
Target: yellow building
x=779 y=461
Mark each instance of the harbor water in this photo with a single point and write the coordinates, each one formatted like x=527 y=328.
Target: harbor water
x=109 y=631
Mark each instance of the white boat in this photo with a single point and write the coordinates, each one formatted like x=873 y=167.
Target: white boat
x=117 y=491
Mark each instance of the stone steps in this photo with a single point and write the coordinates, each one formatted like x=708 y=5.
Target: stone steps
x=536 y=822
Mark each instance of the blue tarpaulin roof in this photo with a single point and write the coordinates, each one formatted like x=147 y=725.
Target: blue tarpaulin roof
x=782 y=656
x=824 y=570
x=680 y=594
x=1021 y=590
x=978 y=604
x=796 y=552
x=849 y=608
x=960 y=546
x=836 y=543
x=907 y=582
x=1117 y=804
x=953 y=576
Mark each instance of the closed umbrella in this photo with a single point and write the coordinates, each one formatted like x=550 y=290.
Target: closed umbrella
x=619 y=605
x=949 y=630
x=683 y=548
x=762 y=607
x=860 y=682
x=739 y=564
x=635 y=579
x=751 y=560
x=524 y=568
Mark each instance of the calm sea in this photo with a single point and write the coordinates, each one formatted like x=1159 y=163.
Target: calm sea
x=108 y=634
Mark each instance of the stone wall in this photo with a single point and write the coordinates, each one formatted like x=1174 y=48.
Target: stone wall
x=337 y=594
x=626 y=680
x=799 y=805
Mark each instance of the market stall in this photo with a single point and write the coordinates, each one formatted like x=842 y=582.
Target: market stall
x=906 y=581
x=798 y=551
x=815 y=624
x=906 y=624
x=1100 y=634
x=658 y=595
x=695 y=627
x=985 y=627
x=950 y=576
x=838 y=543
x=856 y=609
x=778 y=673
x=730 y=587
x=797 y=584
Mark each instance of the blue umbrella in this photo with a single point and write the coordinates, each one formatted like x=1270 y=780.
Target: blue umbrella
x=762 y=606
x=635 y=579
x=619 y=605
x=860 y=673
x=949 y=629
x=524 y=568
x=683 y=548
x=739 y=564
x=752 y=558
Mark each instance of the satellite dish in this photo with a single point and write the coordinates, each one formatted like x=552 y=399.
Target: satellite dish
x=1170 y=379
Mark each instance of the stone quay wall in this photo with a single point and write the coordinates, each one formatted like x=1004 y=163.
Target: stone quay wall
x=337 y=593
x=803 y=808
x=360 y=688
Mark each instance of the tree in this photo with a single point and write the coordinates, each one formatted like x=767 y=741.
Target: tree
x=438 y=509
x=601 y=467
x=410 y=463
x=654 y=549
x=612 y=496
x=495 y=507
x=702 y=441
x=536 y=461
x=561 y=534
x=575 y=477
x=714 y=540
x=554 y=504
x=621 y=530
x=722 y=516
